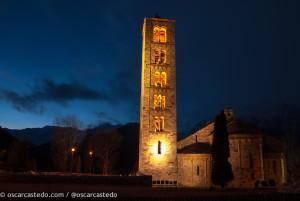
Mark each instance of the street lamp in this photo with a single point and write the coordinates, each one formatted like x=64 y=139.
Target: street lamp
x=73 y=149
x=91 y=156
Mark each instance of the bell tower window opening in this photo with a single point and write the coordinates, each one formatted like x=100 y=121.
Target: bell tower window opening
x=163 y=35
x=159 y=102
x=159 y=34
x=157 y=78
x=157 y=56
x=160 y=79
x=163 y=57
x=159 y=123
x=198 y=170
x=156 y=34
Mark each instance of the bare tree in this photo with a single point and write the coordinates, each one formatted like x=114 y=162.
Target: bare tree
x=284 y=123
x=71 y=121
x=106 y=147
x=290 y=127
x=64 y=142
x=18 y=156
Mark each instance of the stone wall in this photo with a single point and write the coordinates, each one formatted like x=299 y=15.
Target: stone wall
x=246 y=159
x=274 y=164
x=245 y=156
x=194 y=170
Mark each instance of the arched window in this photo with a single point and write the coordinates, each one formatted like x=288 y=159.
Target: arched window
x=159 y=101
x=160 y=79
x=159 y=123
x=159 y=34
x=162 y=57
x=162 y=35
x=198 y=170
x=157 y=79
x=156 y=33
x=157 y=56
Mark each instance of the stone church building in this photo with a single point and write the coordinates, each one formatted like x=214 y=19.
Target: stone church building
x=187 y=162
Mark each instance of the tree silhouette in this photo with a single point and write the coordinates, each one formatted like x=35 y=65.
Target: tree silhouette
x=106 y=147
x=18 y=156
x=221 y=168
x=63 y=139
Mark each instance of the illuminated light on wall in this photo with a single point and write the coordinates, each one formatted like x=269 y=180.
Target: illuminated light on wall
x=159 y=101
x=159 y=56
x=159 y=123
x=159 y=34
x=163 y=35
x=164 y=78
x=160 y=79
x=156 y=34
x=159 y=149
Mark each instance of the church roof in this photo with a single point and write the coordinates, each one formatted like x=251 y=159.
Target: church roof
x=199 y=147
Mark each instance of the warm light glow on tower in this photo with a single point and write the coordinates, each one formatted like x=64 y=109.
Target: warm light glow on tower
x=159 y=156
x=158 y=148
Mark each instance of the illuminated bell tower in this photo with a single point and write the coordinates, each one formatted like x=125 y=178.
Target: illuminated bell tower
x=158 y=136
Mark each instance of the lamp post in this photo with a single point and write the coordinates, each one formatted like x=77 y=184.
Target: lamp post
x=91 y=156
x=72 y=151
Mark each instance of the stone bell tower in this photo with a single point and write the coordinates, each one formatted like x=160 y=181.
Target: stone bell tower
x=158 y=136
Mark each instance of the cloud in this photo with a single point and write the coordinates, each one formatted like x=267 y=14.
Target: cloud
x=46 y=91
x=22 y=102
x=49 y=91
x=64 y=92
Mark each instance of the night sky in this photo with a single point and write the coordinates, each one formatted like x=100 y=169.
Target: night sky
x=83 y=58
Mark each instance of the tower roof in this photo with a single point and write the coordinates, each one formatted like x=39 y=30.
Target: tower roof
x=160 y=19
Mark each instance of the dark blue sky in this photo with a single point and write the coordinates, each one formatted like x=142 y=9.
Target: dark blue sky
x=83 y=58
